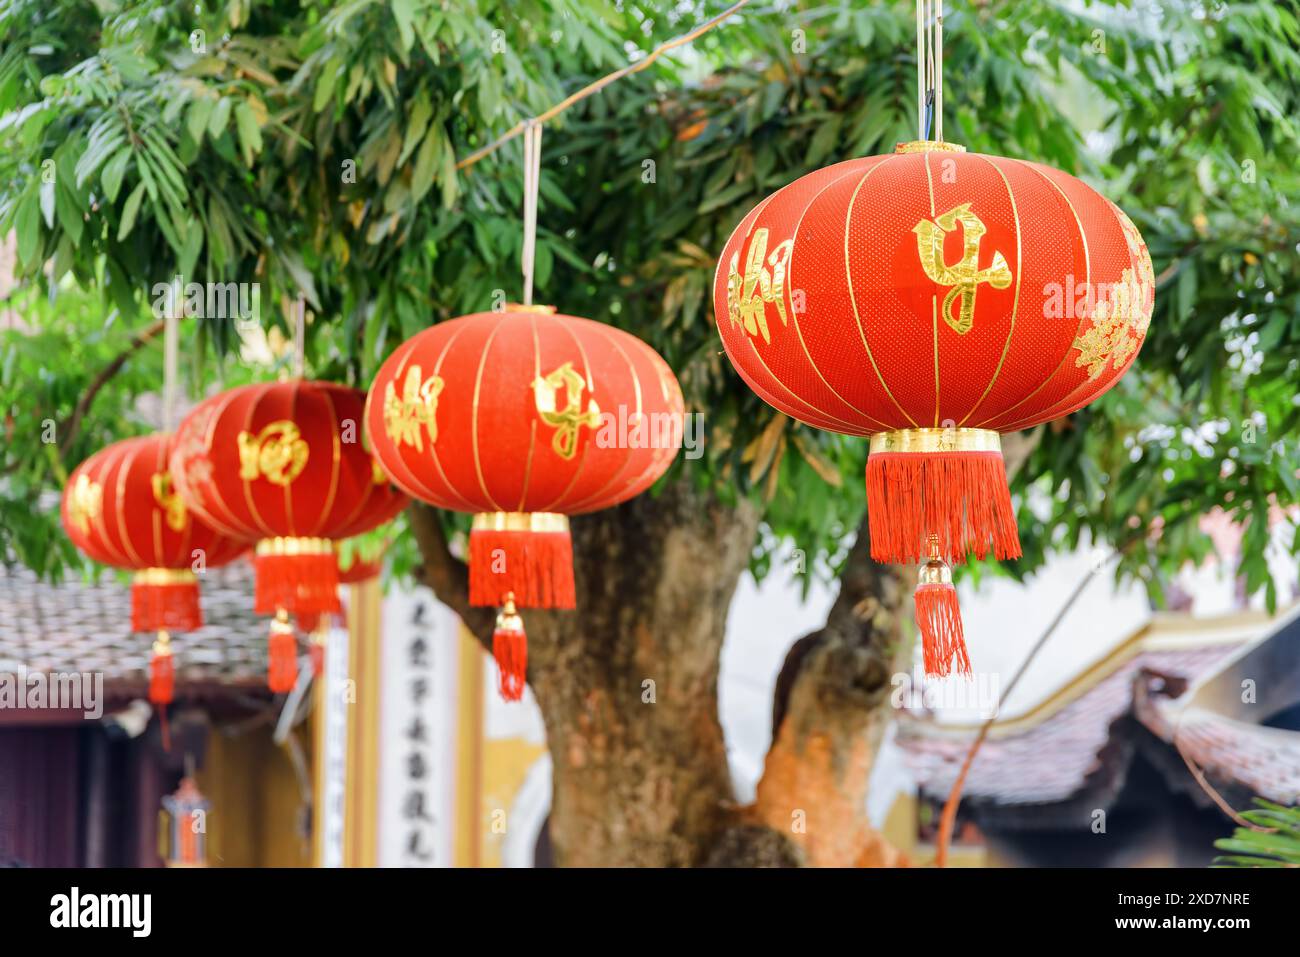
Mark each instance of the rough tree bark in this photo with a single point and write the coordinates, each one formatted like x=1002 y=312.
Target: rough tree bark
x=628 y=689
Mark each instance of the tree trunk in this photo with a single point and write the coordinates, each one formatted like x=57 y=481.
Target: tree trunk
x=828 y=718
x=628 y=684
x=628 y=689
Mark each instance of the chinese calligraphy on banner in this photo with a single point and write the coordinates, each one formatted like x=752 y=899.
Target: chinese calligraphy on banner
x=418 y=739
x=334 y=748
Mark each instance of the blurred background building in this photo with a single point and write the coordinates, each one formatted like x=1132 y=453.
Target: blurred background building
x=401 y=753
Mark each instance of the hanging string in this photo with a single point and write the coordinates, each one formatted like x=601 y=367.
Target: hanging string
x=938 y=71
x=532 y=184
x=920 y=70
x=929 y=68
x=171 y=361
x=595 y=87
x=300 y=339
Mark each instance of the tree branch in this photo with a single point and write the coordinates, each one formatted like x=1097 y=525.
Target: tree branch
x=72 y=428
x=831 y=689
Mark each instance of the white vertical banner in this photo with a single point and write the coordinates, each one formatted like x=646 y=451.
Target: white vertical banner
x=417 y=762
x=337 y=698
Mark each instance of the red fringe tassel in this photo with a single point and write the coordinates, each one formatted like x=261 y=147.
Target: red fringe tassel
x=536 y=566
x=942 y=641
x=282 y=662
x=300 y=584
x=170 y=607
x=162 y=679
x=958 y=500
x=510 y=649
x=162 y=685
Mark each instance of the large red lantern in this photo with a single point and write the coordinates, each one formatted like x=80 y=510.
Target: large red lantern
x=285 y=463
x=523 y=417
x=120 y=508
x=932 y=299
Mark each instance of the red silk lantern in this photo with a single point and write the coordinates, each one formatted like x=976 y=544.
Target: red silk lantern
x=120 y=508
x=284 y=462
x=523 y=417
x=932 y=299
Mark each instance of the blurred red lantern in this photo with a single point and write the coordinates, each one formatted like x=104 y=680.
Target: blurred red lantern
x=360 y=569
x=932 y=299
x=285 y=463
x=523 y=417
x=355 y=571
x=120 y=508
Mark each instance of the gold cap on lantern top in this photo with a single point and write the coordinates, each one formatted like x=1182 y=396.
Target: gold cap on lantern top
x=928 y=146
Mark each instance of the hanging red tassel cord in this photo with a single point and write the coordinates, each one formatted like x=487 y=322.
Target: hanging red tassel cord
x=510 y=649
x=526 y=554
x=165 y=599
x=299 y=575
x=938 y=617
x=944 y=486
x=318 y=627
x=162 y=682
x=282 y=663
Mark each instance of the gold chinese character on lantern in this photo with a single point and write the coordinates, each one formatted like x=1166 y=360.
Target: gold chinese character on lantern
x=1122 y=313
x=278 y=453
x=964 y=276
x=569 y=417
x=1118 y=324
x=417 y=406
x=172 y=505
x=85 y=503
x=750 y=291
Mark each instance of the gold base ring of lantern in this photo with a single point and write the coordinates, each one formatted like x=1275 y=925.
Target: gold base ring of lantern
x=520 y=522
x=936 y=440
x=295 y=546
x=164 y=576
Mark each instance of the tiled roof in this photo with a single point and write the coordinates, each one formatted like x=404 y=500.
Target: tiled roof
x=1264 y=761
x=1047 y=760
x=76 y=626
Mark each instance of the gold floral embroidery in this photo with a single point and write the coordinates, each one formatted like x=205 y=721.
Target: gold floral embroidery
x=748 y=294
x=569 y=417
x=964 y=276
x=85 y=503
x=417 y=406
x=278 y=453
x=167 y=499
x=1122 y=313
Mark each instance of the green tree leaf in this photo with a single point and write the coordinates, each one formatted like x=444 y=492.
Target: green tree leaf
x=129 y=210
